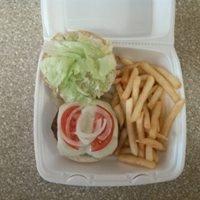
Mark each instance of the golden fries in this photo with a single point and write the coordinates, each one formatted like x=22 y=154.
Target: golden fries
x=115 y=100
x=125 y=76
x=129 y=67
x=153 y=143
x=149 y=153
x=122 y=139
x=155 y=119
x=140 y=132
x=130 y=128
x=141 y=71
x=172 y=79
x=162 y=137
x=129 y=86
x=140 y=110
x=133 y=160
x=153 y=89
x=142 y=84
x=136 y=89
x=155 y=155
x=120 y=114
x=157 y=94
x=132 y=138
x=147 y=122
x=126 y=61
x=129 y=108
x=158 y=125
x=142 y=98
x=144 y=77
x=162 y=114
x=162 y=81
x=120 y=91
x=171 y=116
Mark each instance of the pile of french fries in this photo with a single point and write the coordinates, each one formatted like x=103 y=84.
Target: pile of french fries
x=140 y=109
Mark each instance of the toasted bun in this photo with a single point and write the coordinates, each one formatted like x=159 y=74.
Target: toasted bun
x=60 y=36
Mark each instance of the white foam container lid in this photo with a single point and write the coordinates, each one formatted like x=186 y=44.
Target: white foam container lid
x=140 y=30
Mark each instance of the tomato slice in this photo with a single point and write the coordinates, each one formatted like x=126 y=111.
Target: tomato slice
x=99 y=144
x=69 y=133
x=68 y=125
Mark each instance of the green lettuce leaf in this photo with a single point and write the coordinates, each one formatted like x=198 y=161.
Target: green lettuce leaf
x=55 y=69
x=80 y=68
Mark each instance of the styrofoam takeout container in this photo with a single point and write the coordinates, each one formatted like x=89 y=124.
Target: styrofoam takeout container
x=140 y=30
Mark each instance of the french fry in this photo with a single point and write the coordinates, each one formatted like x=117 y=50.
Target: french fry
x=153 y=143
x=155 y=119
x=171 y=78
x=140 y=71
x=139 y=63
x=154 y=98
x=171 y=116
x=144 y=77
x=125 y=150
x=129 y=67
x=136 y=89
x=142 y=98
x=128 y=89
x=126 y=61
x=133 y=160
x=143 y=80
x=162 y=137
x=125 y=76
x=147 y=122
x=141 y=91
x=162 y=81
x=155 y=155
x=115 y=100
x=158 y=124
x=119 y=114
x=162 y=114
x=122 y=138
x=120 y=91
x=129 y=108
x=130 y=128
x=141 y=135
x=153 y=89
x=142 y=83
x=149 y=153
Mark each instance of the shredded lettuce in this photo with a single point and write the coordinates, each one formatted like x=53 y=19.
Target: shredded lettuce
x=80 y=67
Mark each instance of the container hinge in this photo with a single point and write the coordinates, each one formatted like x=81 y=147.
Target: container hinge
x=129 y=43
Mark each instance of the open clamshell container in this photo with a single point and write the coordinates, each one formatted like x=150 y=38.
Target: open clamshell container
x=140 y=30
